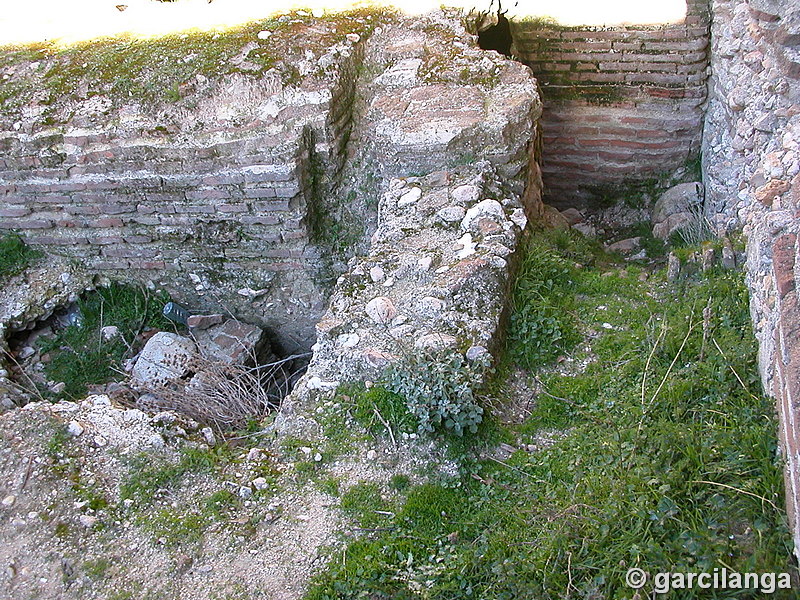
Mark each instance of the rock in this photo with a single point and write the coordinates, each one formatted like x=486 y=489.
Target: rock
x=464 y=246
x=476 y=352
x=165 y=357
x=466 y=194
x=586 y=229
x=451 y=214
x=709 y=256
x=728 y=255
x=675 y=208
x=348 y=340
x=381 y=310
x=75 y=429
x=410 y=197
x=573 y=216
x=109 y=332
x=260 y=483
x=208 y=436
x=245 y=491
x=9 y=501
x=264 y=35
x=377 y=274
x=489 y=208
x=775 y=188
x=58 y=387
x=25 y=352
x=233 y=342
x=87 y=521
x=673 y=267
x=372 y=455
x=435 y=341
x=353 y=38
x=204 y=321
x=627 y=246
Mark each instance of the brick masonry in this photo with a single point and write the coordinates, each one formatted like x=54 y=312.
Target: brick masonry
x=620 y=104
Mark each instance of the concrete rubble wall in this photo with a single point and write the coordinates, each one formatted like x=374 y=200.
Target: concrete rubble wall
x=206 y=197
x=751 y=156
x=461 y=187
x=620 y=103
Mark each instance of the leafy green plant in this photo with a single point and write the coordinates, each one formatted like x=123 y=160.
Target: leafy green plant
x=440 y=390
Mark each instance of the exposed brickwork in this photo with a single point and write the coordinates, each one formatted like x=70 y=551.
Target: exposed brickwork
x=621 y=103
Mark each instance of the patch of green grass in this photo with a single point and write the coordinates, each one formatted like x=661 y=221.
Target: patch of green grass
x=541 y=326
x=365 y=504
x=146 y=475
x=79 y=357
x=15 y=256
x=329 y=485
x=96 y=569
x=667 y=460
x=376 y=407
x=399 y=482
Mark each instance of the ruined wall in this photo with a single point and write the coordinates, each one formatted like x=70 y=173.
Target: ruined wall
x=620 y=103
x=751 y=156
x=206 y=196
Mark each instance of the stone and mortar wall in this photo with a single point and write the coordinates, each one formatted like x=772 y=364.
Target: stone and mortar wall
x=620 y=104
x=459 y=186
x=751 y=156
x=209 y=200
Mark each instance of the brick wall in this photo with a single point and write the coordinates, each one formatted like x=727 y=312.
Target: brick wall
x=620 y=104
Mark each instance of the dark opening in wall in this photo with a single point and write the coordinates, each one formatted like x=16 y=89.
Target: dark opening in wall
x=497 y=37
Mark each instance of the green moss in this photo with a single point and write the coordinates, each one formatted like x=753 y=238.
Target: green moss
x=163 y=69
x=15 y=254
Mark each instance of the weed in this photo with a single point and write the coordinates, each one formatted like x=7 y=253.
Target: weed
x=364 y=504
x=15 y=256
x=79 y=356
x=329 y=485
x=399 y=482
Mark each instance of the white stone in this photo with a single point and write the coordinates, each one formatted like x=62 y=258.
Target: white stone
x=372 y=455
x=381 y=309
x=165 y=357
x=377 y=274
x=466 y=194
x=518 y=218
x=485 y=208
x=74 y=428
x=348 y=340
x=109 y=332
x=264 y=35
x=464 y=247
x=410 y=197
x=208 y=436
x=425 y=263
x=87 y=521
x=435 y=341
x=260 y=483
x=9 y=501
x=451 y=214
x=353 y=38
x=317 y=457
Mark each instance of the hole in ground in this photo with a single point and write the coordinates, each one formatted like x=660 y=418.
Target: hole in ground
x=115 y=340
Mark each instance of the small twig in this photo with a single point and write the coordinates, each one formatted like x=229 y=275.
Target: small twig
x=741 y=491
x=739 y=379
x=386 y=425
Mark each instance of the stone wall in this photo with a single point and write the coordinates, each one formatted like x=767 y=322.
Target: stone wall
x=207 y=197
x=751 y=156
x=620 y=104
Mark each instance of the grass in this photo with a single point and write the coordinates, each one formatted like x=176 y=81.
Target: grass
x=666 y=458
x=79 y=356
x=15 y=256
